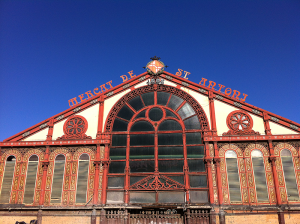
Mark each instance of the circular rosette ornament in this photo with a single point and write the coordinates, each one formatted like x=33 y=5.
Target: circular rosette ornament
x=75 y=128
x=240 y=123
x=155 y=67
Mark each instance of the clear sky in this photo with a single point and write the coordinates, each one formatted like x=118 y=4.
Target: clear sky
x=51 y=51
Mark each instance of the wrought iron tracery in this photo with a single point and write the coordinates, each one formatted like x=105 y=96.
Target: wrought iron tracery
x=197 y=108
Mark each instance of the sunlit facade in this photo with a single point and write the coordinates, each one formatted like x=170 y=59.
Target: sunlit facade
x=145 y=151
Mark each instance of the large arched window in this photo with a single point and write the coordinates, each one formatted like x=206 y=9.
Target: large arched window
x=289 y=175
x=233 y=176
x=31 y=179
x=157 y=146
x=58 y=178
x=7 y=179
x=259 y=176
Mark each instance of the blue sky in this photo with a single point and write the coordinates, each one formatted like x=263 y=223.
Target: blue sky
x=51 y=51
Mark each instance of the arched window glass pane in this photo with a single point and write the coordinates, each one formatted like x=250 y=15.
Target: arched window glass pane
x=195 y=151
x=7 y=179
x=169 y=125
x=58 y=178
x=198 y=181
x=148 y=98
x=170 y=152
x=138 y=166
x=142 y=153
x=233 y=176
x=259 y=175
x=141 y=114
x=155 y=114
x=142 y=126
x=170 y=165
x=117 y=167
x=136 y=103
x=170 y=139
x=196 y=165
x=192 y=123
x=115 y=182
x=120 y=125
x=162 y=98
x=82 y=180
x=119 y=140
x=125 y=113
x=170 y=114
x=186 y=111
x=136 y=140
x=175 y=102
x=31 y=179
x=117 y=153
x=289 y=175
x=193 y=138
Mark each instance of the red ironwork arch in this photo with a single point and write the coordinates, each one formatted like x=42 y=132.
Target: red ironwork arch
x=160 y=88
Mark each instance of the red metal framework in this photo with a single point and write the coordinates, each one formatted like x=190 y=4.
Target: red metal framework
x=153 y=178
x=197 y=108
x=75 y=128
x=239 y=123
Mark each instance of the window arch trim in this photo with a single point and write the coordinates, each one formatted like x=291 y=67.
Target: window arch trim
x=159 y=88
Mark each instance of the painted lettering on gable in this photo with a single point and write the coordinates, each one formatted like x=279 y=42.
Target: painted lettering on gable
x=228 y=91
x=87 y=95
x=125 y=77
x=179 y=73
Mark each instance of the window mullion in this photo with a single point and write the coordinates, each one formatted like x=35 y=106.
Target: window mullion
x=127 y=169
x=156 y=151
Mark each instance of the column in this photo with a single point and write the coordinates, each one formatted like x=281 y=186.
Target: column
x=105 y=163
x=97 y=168
x=217 y=161
x=45 y=165
x=208 y=161
x=274 y=171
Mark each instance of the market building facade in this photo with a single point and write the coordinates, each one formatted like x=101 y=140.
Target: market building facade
x=155 y=149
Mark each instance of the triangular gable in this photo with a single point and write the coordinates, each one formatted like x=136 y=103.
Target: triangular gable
x=33 y=132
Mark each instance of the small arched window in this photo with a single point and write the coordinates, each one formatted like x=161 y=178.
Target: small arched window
x=58 y=178
x=7 y=179
x=233 y=176
x=31 y=179
x=289 y=175
x=82 y=180
x=259 y=175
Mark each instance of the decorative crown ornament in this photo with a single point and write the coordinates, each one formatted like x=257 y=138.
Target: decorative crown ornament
x=155 y=67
